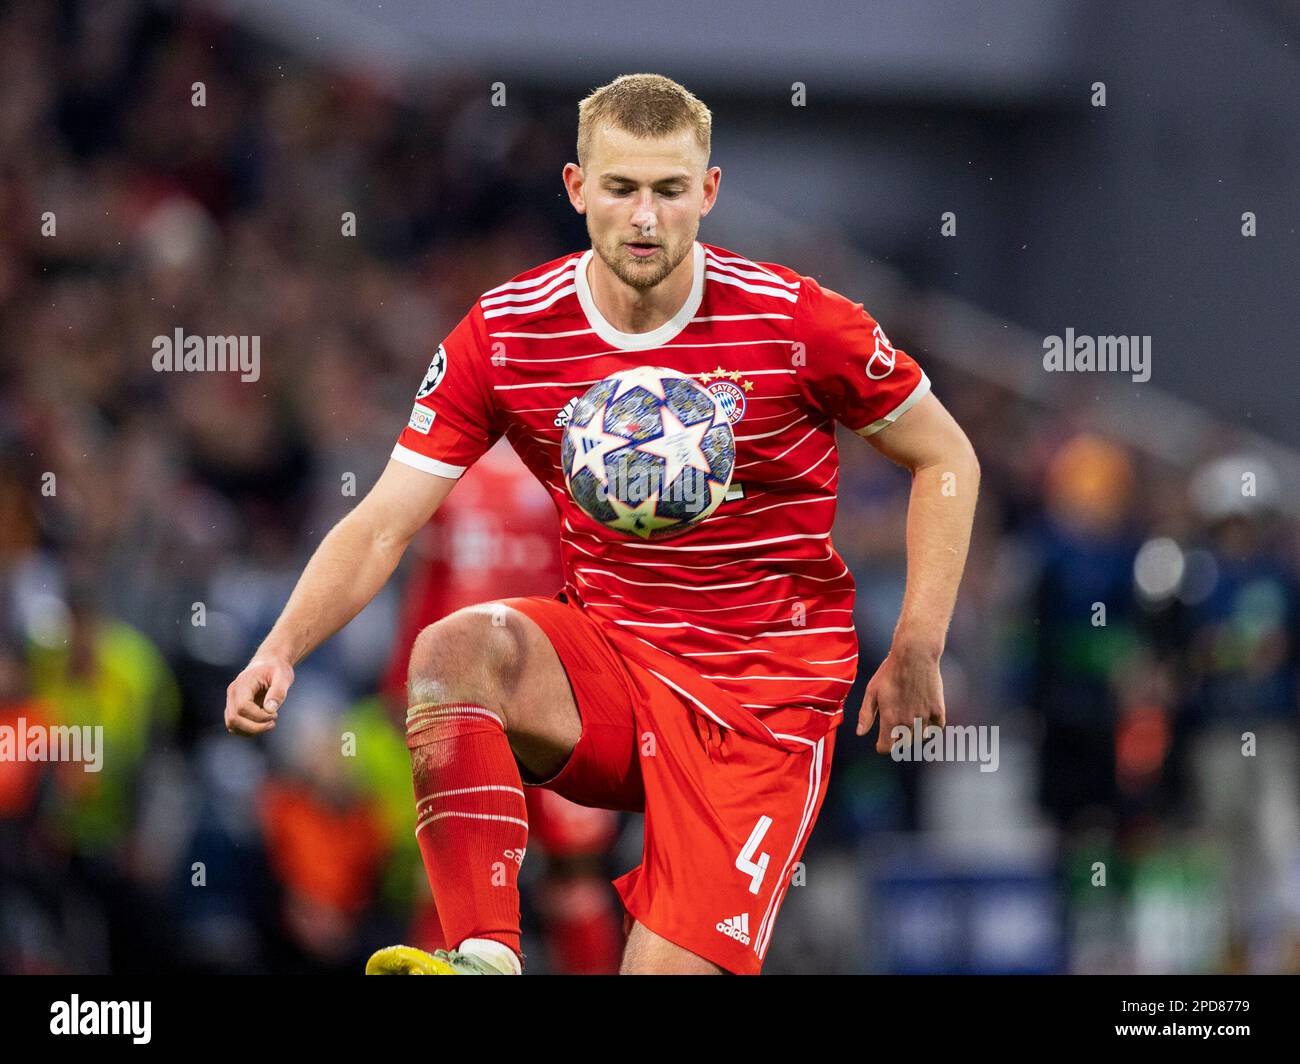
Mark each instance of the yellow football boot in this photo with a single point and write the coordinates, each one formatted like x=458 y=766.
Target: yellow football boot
x=407 y=960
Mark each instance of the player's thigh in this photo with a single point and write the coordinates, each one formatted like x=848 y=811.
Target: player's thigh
x=603 y=769
x=649 y=954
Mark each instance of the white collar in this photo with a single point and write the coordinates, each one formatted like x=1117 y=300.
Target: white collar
x=646 y=340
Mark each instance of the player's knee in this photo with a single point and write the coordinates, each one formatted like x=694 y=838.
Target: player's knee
x=472 y=655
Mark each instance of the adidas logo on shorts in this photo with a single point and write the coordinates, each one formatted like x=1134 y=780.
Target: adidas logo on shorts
x=736 y=927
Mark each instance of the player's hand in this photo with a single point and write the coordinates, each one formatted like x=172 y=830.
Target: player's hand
x=256 y=695
x=906 y=686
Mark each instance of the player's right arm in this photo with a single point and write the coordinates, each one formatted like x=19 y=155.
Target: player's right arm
x=452 y=424
x=352 y=563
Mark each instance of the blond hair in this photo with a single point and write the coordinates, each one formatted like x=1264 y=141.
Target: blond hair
x=645 y=105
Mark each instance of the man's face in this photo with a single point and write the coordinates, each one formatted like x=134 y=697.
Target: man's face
x=643 y=199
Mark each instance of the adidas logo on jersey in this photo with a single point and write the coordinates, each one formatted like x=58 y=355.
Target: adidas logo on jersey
x=736 y=927
x=562 y=418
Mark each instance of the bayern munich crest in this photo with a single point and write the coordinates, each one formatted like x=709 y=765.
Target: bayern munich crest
x=728 y=389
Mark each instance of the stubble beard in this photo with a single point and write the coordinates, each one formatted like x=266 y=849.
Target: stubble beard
x=638 y=275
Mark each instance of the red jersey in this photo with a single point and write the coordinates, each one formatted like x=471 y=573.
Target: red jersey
x=748 y=614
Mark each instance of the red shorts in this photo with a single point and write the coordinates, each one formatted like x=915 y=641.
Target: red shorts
x=726 y=816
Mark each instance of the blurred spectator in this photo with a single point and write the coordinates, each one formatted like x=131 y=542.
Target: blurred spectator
x=1084 y=610
x=1244 y=696
x=325 y=842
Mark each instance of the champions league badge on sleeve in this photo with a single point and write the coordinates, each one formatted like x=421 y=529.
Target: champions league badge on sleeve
x=434 y=374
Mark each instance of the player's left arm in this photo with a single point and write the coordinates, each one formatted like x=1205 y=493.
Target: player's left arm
x=926 y=440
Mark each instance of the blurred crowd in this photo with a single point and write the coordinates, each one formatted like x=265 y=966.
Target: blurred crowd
x=1130 y=626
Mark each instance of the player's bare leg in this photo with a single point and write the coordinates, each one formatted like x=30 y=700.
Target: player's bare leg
x=651 y=954
x=489 y=699
x=494 y=655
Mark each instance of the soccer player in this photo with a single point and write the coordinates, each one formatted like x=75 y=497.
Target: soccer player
x=700 y=678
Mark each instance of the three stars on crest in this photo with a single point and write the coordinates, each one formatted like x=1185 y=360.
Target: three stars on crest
x=721 y=374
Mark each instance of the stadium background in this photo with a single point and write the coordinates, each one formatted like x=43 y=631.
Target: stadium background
x=1119 y=744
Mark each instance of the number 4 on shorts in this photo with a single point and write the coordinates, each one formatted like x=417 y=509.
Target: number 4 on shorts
x=746 y=863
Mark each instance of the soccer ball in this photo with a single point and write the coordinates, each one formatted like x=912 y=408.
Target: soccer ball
x=648 y=452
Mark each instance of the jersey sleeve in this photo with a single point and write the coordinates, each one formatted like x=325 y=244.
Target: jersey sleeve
x=852 y=372
x=453 y=421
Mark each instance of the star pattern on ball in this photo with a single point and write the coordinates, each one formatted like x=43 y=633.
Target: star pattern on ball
x=679 y=446
x=591 y=445
x=640 y=520
x=607 y=436
x=651 y=382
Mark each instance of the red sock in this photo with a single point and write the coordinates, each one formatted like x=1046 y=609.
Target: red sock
x=470 y=819
x=426 y=931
